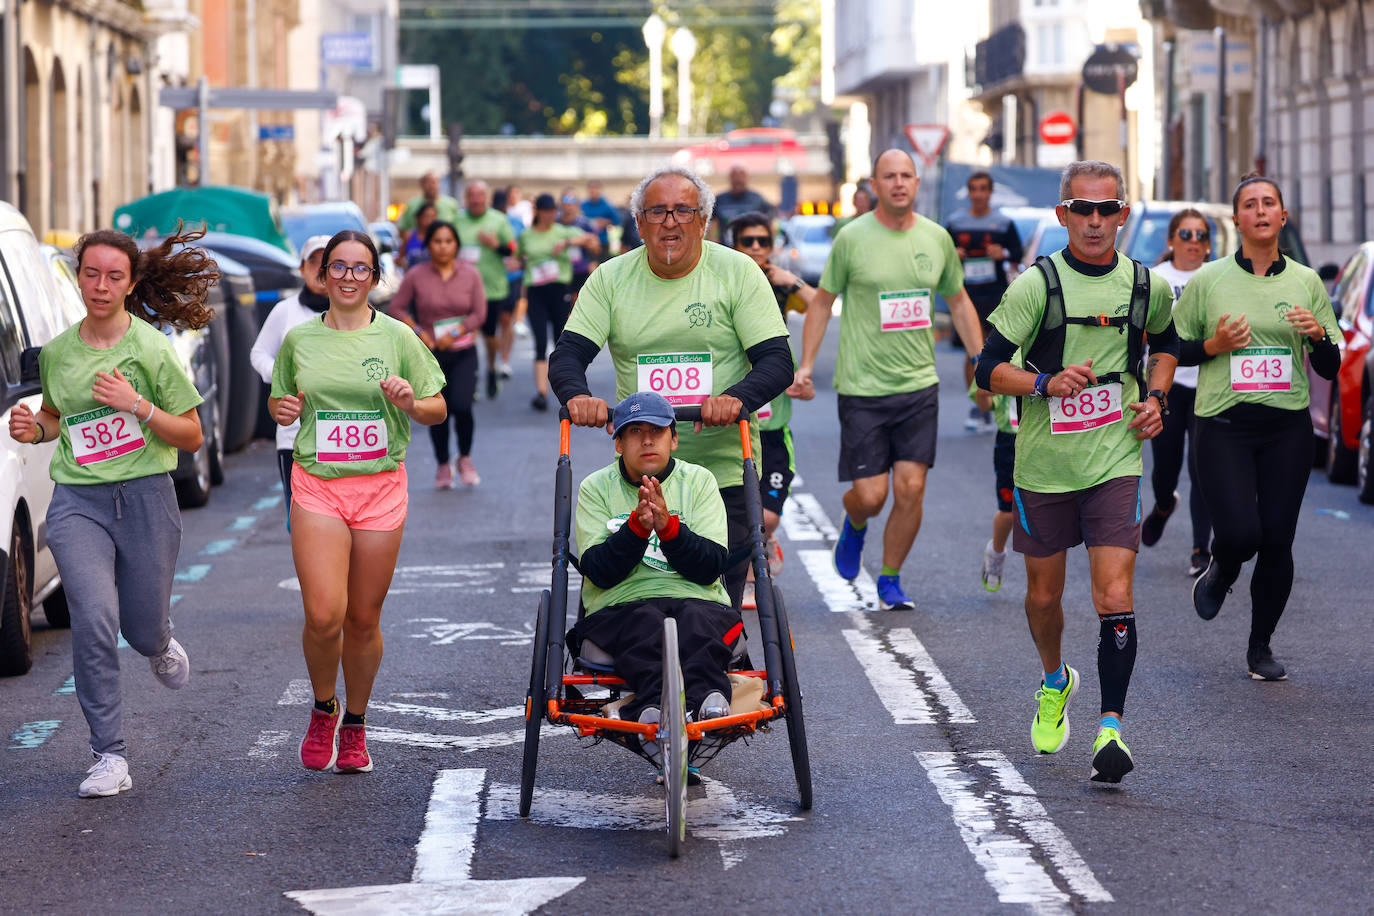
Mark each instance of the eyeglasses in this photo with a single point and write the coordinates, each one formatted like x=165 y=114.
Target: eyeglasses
x=756 y=241
x=1080 y=207
x=656 y=215
x=1189 y=235
x=338 y=270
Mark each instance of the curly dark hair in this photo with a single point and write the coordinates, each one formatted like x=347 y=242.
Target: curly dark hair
x=171 y=280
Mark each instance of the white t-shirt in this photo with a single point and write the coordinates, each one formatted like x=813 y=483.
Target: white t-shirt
x=284 y=316
x=1183 y=375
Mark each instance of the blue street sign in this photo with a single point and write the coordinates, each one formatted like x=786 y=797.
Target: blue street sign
x=276 y=132
x=351 y=49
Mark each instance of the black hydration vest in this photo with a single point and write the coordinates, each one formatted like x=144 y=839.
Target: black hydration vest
x=1046 y=351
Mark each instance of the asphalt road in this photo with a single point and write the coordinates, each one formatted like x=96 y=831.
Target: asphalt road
x=1247 y=797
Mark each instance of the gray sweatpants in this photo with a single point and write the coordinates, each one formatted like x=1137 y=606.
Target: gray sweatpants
x=116 y=547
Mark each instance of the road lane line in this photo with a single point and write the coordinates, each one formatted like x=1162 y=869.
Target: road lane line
x=68 y=687
x=896 y=686
x=814 y=524
x=32 y=734
x=439 y=714
x=267 y=743
x=1006 y=860
x=840 y=595
x=465 y=743
x=266 y=502
x=243 y=523
x=297 y=693
x=449 y=840
x=1032 y=817
x=215 y=548
x=904 y=642
x=193 y=573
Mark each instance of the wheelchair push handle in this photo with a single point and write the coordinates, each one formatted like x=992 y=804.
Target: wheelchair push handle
x=693 y=414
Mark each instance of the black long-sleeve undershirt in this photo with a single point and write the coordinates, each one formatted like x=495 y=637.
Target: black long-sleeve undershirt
x=770 y=373
x=696 y=558
x=1325 y=356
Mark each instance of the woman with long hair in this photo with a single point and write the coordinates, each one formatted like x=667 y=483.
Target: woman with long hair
x=1248 y=321
x=117 y=399
x=355 y=379
x=444 y=303
x=1189 y=245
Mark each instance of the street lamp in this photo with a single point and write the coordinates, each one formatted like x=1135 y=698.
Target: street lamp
x=654 y=33
x=684 y=46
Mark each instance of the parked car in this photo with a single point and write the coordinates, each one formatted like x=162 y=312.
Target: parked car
x=31 y=314
x=276 y=274
x=758 y=149
x=1046 y=238
x=195 y=472
x=328 y=218
x=387 y=235
x=803 y=245
x=221 y=208
x=1341 y=410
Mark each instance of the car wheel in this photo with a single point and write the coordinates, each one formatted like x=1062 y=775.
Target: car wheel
x=1340 y=461
x=16 y=647
x=193 y=491
x=1364 y=474
x=57 y=611
x=216 y=433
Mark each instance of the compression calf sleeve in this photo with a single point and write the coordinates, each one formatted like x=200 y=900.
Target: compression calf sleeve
x=1115 y=659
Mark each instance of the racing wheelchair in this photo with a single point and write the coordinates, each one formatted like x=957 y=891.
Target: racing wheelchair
x=558 y=679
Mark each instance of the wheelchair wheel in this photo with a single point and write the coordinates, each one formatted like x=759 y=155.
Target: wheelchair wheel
x=791 y=690
x=535 y=701
x=672 y=739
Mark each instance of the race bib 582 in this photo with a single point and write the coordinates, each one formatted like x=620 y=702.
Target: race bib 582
x=104 y=433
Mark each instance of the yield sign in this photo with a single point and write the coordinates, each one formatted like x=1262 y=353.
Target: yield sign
x=928 y=140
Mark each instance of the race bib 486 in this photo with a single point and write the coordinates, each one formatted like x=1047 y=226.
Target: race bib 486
x=349 y=435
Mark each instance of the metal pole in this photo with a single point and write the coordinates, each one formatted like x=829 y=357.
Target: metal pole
x=654 y=33
x=1262 y=154
x=1222 y=127
x=9 y=99
x=203 y=131
x=1164 y=189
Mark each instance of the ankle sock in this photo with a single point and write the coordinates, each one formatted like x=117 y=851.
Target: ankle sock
x=329 y=707
x=850 y=522
x=1109 y=722
x=1057 y=679
x=351 y=719
x=889 y=571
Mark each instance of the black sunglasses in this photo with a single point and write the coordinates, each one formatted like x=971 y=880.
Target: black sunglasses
x=1081 y=207
x=1189 y=235
x=755 y=241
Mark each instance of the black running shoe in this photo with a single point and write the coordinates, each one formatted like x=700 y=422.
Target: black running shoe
x=1263 y=666
x=1210 y=590
x=539 y=402
x=1197 y=565
x=1152 y=529
x=493 y=389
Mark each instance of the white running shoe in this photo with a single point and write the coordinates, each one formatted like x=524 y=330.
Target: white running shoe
x=109 y=775
x=992 y=568
x=172 y=667
x=503 y=367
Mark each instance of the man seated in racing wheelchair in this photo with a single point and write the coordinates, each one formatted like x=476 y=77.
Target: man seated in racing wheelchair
x=653 y=539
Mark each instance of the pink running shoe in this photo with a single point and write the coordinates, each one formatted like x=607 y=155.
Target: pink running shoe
x=443 y=478
x=467 y=472
x=774 y=551
x=318 y=749
x=353 y=756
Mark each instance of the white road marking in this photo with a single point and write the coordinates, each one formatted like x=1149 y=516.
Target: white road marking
x=720 y=816
x=443 y=632
x=803 y=519
x=896 y=686
x=1010 y=862
x=441 y=883
x=840 y=595
x=440 y=714
x=267 y=744
x=297 y=693
x=465 y=743
x=904 y=642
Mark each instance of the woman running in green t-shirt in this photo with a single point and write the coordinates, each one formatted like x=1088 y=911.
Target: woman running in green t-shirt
x=355 y=378
x=1247 y=321
x=117 y=399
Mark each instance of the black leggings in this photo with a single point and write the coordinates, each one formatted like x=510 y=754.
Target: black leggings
x=1253 y=462
x=1167 y=449
x=460 y=376
x=548 y=304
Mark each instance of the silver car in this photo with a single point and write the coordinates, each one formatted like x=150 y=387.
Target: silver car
x=803 y=245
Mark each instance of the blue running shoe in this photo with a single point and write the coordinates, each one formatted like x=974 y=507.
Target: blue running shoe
x=849 y=550
x=890 y=595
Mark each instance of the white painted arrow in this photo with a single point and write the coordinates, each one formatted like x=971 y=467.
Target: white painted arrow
x=442 y=883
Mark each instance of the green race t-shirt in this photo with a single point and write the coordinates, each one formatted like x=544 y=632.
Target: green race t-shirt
x=488 y=263
x=1271 y=369
x=348 y=427
x=536 y=248
x=445 y=208
x=675 y=336
x=1064 y=462
x=604 y=503
x=98 y=443
x=888 y=280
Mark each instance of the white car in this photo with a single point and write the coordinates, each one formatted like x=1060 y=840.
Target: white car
x=803 y=246
x=32 y=312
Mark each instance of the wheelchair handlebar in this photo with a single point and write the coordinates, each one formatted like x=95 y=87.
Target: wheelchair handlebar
x=693 y=415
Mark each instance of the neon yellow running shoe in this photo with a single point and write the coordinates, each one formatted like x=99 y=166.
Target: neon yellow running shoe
x=1050 y=727
x=1111 y=757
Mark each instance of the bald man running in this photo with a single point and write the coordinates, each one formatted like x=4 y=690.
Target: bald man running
x=887 y=264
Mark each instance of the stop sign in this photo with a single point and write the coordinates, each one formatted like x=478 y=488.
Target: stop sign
x=1057 y=127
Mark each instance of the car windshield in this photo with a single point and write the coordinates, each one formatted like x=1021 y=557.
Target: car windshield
x=816 y=232
x=1152 y=237
x=1052 y=239
x=302 y=224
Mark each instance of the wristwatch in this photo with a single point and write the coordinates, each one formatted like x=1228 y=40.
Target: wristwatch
x=796 y=287
x=1163 y=399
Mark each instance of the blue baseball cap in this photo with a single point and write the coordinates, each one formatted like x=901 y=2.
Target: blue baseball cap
x=642 y=407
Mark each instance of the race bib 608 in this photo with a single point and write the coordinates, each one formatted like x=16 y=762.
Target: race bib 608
x=683 y=378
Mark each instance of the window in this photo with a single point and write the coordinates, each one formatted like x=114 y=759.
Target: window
x=11 y=337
